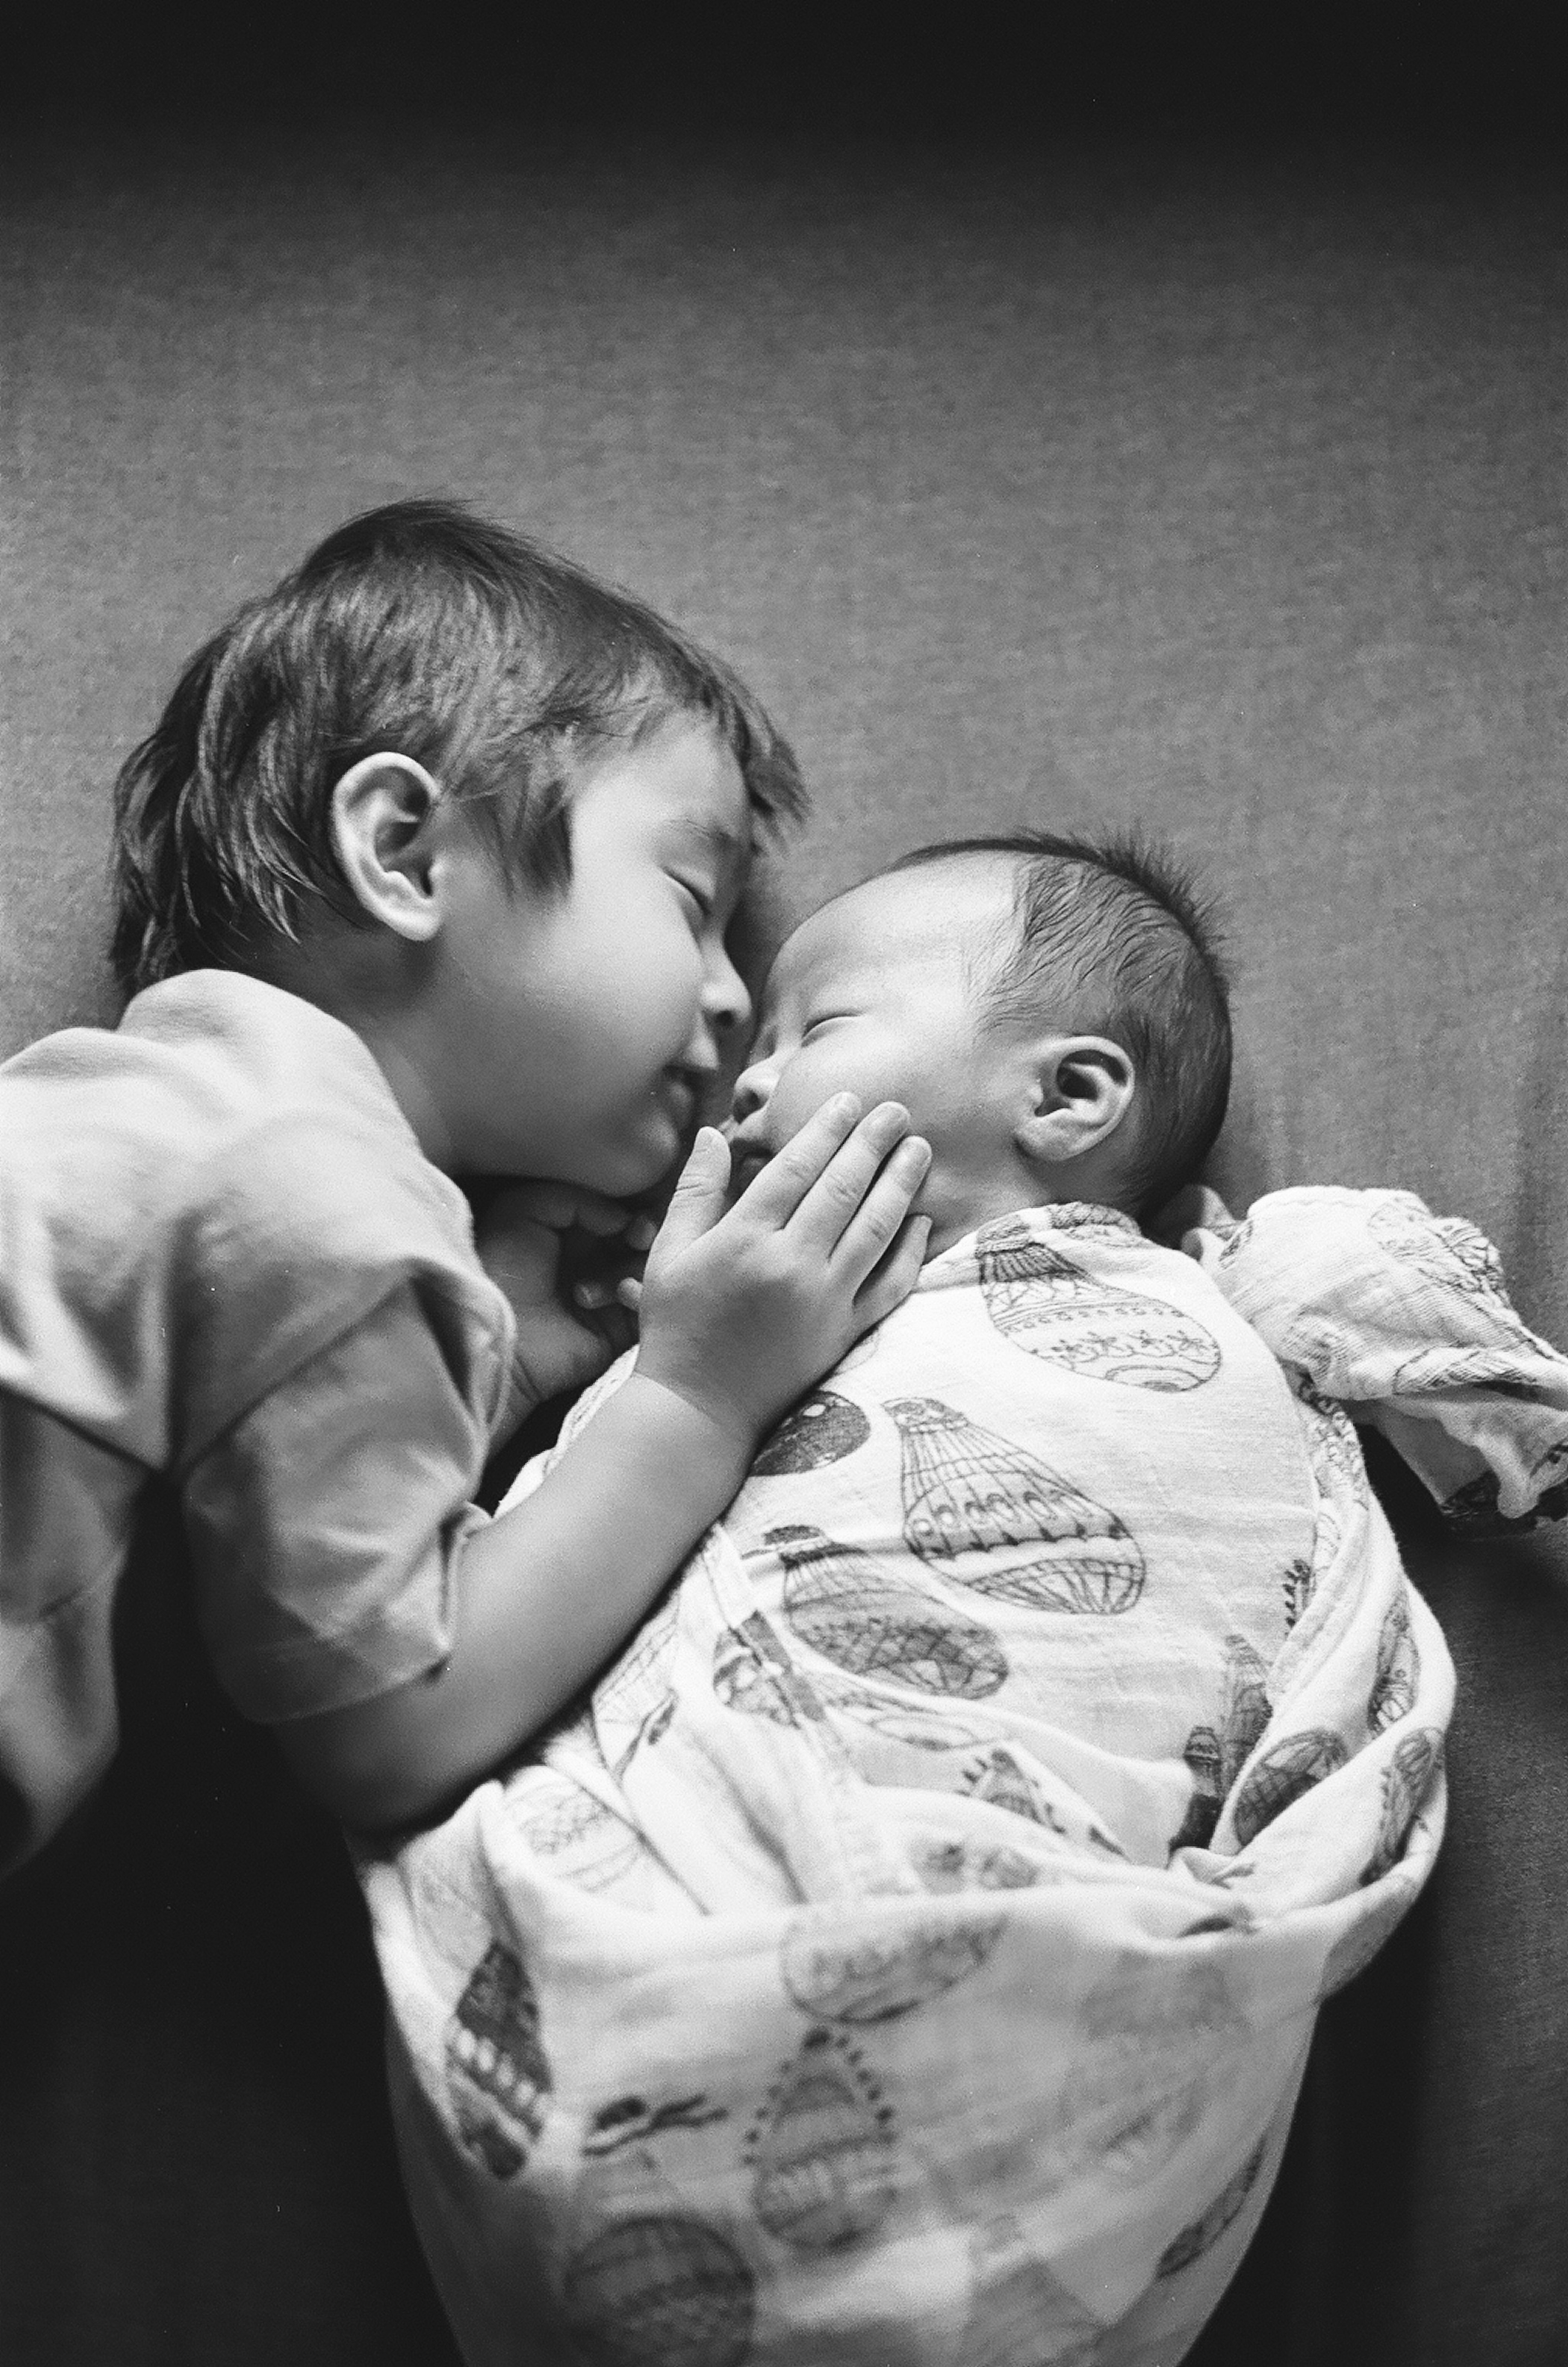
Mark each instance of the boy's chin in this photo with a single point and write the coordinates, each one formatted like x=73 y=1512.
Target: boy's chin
x=646 y=1170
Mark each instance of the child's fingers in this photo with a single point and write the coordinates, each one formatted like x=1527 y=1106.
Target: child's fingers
x=875 y=1221
x=775 y=1192
x=697 y=1202
x=897 y=1274
x=860 y=1176
x=779 y=1191
x=594 y=1295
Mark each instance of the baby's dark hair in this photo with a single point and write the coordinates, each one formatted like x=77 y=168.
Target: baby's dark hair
x=1115 y=932
x=422 y=629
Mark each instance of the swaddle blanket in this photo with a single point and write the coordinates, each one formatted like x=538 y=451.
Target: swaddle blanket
x=909 y=1954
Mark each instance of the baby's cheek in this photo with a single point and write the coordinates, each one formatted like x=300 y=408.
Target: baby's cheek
x=798 y=1095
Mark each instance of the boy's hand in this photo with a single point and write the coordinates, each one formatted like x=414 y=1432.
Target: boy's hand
x=538 y=1242
x=741 y=1312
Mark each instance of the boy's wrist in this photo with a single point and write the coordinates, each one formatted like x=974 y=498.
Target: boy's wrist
x=693 y=1430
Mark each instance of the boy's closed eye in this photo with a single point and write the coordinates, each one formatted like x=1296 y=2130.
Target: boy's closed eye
x=704 y=900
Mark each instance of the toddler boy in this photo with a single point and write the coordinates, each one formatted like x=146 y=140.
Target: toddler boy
x=424 y=873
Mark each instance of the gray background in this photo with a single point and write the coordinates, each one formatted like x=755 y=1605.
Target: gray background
x=1116 y=481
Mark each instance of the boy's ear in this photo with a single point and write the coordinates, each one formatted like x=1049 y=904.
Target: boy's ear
x=382 y=813
x=1082 y=1089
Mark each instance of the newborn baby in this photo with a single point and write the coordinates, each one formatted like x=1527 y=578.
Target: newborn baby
x=1036 y=1542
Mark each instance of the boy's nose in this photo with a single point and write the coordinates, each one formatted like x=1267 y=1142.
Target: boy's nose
x=726 y=1003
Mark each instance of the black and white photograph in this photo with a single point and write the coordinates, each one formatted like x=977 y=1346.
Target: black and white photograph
x=784 y=1187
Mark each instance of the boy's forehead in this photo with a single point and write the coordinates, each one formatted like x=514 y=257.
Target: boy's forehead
x=681 y=767
x=676 y=784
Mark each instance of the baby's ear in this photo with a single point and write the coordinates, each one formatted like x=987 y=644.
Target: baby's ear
x=1083 y=1087
x=382 y=810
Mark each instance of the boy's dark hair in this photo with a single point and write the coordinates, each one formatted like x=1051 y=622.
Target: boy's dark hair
x=1116 y=929
x=427 y=630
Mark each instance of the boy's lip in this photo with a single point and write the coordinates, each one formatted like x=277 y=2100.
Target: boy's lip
x=686 y=1088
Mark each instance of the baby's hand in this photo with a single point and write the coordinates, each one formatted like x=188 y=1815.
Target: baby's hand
x=741 y=1312
x=553 y=1251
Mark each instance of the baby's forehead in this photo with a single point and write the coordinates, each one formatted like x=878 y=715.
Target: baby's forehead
x=898 y=919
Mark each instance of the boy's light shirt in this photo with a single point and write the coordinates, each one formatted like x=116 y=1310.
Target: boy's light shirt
x=224 y=1257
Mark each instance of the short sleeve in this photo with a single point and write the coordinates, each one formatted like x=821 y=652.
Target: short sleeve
x=325 y=1524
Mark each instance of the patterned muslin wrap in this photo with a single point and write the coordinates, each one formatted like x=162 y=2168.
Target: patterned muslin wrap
x=910 y=1951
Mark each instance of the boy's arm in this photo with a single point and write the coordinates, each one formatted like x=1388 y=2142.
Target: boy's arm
x=741 y=1313
x=543 y=1597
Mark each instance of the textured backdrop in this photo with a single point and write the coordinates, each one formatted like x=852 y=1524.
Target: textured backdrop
x=1093 y=486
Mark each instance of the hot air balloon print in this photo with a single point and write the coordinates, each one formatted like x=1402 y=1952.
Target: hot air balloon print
x=1047 y=1305
x=1331 y=1441
x=752 y=1673
x=1446 y=1250
x=822 y=2150
x=1406 y=1781
x=999 y=1778
x=1204 y=2231
x=922 y=1727
x=1501 y=1371
x=951 y=1865
x=870 y=1622
x=1150 y=2038
x=1475 y=1509
x=1238 y=1240
x=582 y=1840
x=822 y=1429
x=660 y=2291
x=633 y=1702
x=843 y=1965
x=1021 y=2313
x=1282 y=1775
x=497 y=2079
x=1299 y=1583
x=654 y=2285
x=1215 y=1759
x=987 y=1515
x=1399 y=1669
x=1339 y=1473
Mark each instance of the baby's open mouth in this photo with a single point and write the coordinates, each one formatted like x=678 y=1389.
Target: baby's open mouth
x=746 y=1159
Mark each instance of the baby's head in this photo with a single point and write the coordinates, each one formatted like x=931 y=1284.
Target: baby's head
x=1051 y=1010
x=495 y=813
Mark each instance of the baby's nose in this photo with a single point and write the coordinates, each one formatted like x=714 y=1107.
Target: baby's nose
x=752 y=1087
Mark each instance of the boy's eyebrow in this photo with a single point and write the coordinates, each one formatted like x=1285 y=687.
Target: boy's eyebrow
x=724 y=844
